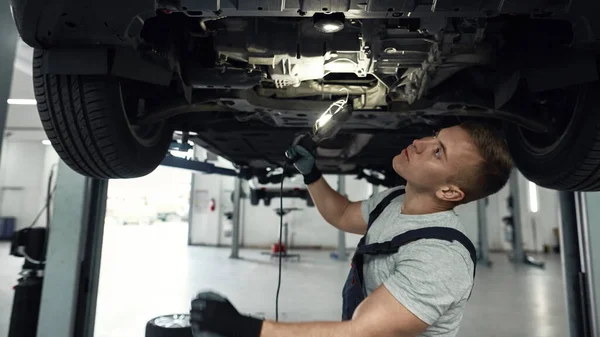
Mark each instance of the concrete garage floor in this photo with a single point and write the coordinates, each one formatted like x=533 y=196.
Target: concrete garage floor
x=149 y=271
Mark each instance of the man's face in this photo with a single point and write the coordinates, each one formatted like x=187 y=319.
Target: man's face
x=428 y=163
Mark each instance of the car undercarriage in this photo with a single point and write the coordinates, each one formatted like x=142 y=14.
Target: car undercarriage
x=244 y=79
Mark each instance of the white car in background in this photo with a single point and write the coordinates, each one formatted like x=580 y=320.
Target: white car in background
x=131 y=212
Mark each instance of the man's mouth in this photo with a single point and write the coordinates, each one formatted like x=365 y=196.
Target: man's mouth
x=406 y=154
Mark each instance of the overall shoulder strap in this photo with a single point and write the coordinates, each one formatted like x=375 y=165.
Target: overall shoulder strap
x=440 y=233
x=383 y=204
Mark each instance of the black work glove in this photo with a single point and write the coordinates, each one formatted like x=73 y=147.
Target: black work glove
x=302 y=155
x=212 y=314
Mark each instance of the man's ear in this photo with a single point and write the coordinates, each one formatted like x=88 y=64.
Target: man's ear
x=451 y=193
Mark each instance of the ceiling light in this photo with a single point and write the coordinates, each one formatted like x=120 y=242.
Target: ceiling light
x=46 y=142
x=533 y=197
x=329 y=23
x=21 y=101
x=330 y=27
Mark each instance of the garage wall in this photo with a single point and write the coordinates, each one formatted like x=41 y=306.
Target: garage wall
x=546 y=218
x=210 y=226
x=24 y=170
x=307 y=228
x=206 y=224
x=260 y=224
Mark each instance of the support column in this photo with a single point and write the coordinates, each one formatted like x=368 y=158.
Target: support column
x=191 y=208
x=572 y=265
x=8 y=45
x=235 y=234
x=519 y=256
x=342 y=256
x=589 y=238
x=70 y=287
x=482 y=232
x=516 y=214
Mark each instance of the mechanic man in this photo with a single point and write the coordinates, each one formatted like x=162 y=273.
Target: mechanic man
x=417 y=285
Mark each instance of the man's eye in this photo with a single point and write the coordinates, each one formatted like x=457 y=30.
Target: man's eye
x=438 y=153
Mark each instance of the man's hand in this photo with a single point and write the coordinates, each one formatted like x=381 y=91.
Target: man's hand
x=304 y=161
x=212 y=313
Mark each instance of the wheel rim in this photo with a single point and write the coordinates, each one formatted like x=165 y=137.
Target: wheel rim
x=558 y=107
x=173 y=321
x=134 y=107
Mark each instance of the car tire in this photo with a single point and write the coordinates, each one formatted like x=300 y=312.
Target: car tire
x=570 y=160
x=177 y=325
x=85 y=119
x=267 y=201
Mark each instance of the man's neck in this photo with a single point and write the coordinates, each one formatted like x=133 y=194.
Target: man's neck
x=416 y=202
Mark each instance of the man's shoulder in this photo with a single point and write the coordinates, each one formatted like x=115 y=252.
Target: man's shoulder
x=434 y=268
x=436 y=254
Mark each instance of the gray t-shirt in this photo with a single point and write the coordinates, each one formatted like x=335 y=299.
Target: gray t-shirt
x=431 y=278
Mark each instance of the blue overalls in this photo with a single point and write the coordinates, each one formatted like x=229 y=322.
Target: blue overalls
x=354 y=290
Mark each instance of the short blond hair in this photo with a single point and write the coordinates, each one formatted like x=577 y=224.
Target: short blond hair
x=493 y=171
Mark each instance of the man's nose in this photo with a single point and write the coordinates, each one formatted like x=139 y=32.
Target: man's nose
x=418 y=145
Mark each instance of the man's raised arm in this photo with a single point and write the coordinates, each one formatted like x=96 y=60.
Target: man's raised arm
x=335 y=208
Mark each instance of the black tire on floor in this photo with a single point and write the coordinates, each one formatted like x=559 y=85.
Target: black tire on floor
x=86 y=120
x=571 y=160
x=177 y=325
x=267 y=201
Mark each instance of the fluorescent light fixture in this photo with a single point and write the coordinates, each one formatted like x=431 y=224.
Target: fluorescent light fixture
x=533 y=198
x=46 y=142
x=21 y=101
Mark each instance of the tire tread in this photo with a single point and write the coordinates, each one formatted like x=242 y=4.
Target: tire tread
x=75 y=112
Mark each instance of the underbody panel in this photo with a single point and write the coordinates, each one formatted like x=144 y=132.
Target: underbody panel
x=70 y=22
x=244 y=78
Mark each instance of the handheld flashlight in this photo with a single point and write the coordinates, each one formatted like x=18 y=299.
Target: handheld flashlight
x=326 y=126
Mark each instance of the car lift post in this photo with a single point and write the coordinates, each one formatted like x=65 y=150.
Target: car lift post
x=574 y=263
x=235 y=233
x=517 y=241
x=482 y=232
x=342 y=255
x=580 y=240
x=72 y=272
x=589 y=219
x=8 y=41
x=519 y=256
